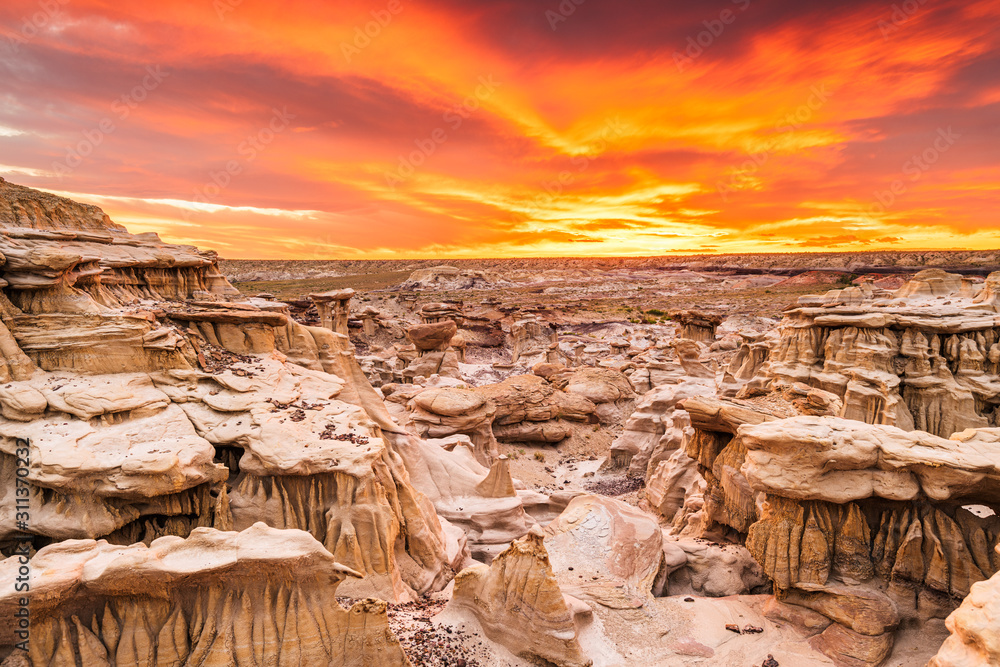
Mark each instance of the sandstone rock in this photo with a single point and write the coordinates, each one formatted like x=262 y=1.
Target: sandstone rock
x=974 y=640
x=248 y=598
x=850 y=649
x=806 y=620
x=334 y=309
x=190 y=411
x=674 y=480
x=439 y=413
x=529 y=398
x=696 y=325
x=519 y=603
x=866 y=611
x=651 y=423
x=604 y=550
x=794 y=458
x=429 y=337
x=917 y=361
x=715 y=569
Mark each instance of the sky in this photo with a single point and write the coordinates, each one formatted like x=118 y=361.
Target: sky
x=310 y=129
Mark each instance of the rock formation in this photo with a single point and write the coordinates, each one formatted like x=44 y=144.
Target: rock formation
x=604 y=550
x=205 y=471
x=519 y=603
x=923 y=357
x=696 y=325
x=152 y=402
x=258 y=597
x=975 y=629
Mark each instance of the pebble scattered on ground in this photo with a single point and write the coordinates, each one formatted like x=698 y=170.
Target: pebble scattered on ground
x=429 y=645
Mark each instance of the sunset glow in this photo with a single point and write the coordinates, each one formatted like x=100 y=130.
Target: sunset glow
x=391 y=128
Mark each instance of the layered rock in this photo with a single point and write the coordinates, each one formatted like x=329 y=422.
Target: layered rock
x=157 y=406
x=260 y=596
x=58 y=252
x=837 y=511
x=974 y=639
x=924 y=357
x=530 y=409
x=519 y=603
x=655 y=428
x=696 y=325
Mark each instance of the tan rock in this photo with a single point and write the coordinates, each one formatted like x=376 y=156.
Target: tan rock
x=849 y=649
x=519 y=603
x=265 y=593
x=435 y=336
x=974 y=639
x=604 y=550
x=866 y=611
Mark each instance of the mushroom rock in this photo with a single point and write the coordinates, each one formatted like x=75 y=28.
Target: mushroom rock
x=443 y=412
x=334 y=309
x=435 y=336
x=696 y=325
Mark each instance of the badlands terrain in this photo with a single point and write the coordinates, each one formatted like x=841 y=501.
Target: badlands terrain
x=759 y=460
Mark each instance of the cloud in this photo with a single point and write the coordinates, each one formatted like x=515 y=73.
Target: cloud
x=459 y=129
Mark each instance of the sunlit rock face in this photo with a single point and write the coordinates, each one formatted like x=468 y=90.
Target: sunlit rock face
x=153 y=400
x=869 y=525
x=258 y=597
x=518 y=602
x=975 y=629
x=877 y=506
x=925 y=357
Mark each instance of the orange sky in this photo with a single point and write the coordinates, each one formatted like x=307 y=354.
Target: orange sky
x=512 y=127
